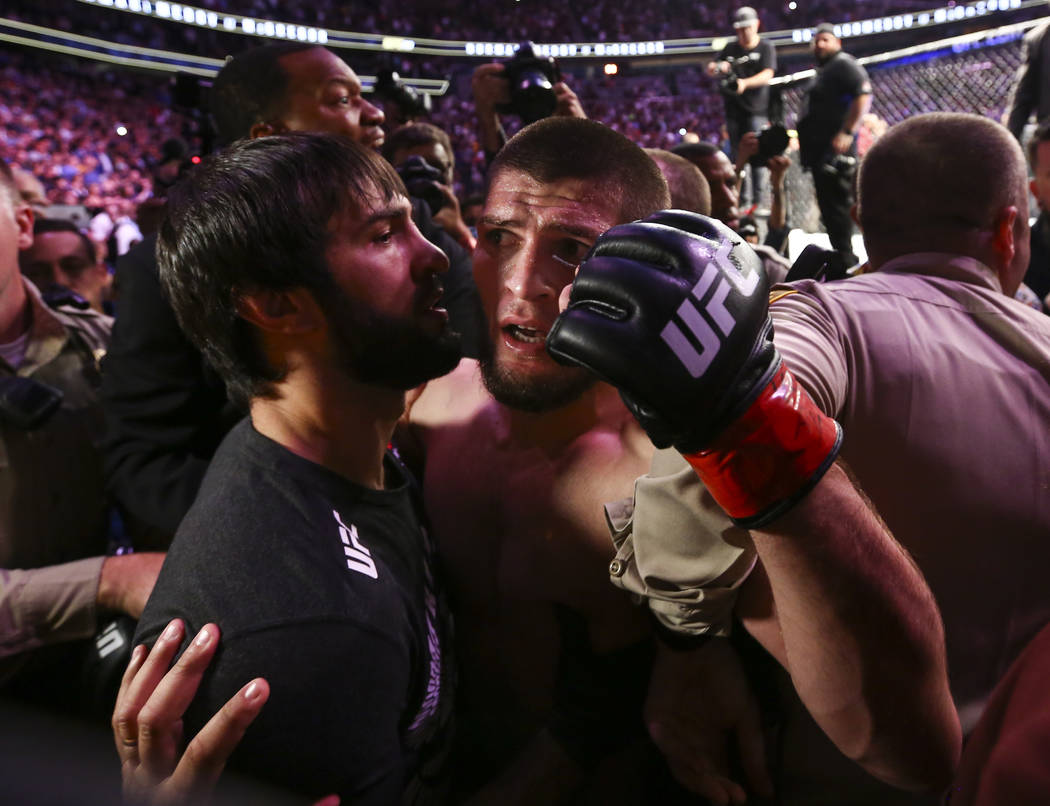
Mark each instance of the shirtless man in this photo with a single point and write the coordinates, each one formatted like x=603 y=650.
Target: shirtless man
x=520 y=454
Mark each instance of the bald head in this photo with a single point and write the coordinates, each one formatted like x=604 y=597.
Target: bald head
x=941 y=183
x=689 y=188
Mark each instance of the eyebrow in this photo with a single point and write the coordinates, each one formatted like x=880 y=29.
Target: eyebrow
x=392 y=210
x=568 y=229
x=344 y=82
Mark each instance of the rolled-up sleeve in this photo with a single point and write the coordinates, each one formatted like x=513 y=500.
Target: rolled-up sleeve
x=47 y=605
x=678 y=549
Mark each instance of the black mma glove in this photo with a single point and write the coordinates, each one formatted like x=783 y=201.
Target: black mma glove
x=674 y=312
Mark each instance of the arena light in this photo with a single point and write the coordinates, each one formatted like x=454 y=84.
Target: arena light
x=611 y=69
x=121 y=130
x=166 y=61
x=351 y=40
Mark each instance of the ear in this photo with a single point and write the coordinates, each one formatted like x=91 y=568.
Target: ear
x=1004 y=246
x=290 y=312
x=24 y=220
x=266 y=128
x=1003 y=233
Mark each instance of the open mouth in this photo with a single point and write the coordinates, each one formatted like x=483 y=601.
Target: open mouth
x=528 y=335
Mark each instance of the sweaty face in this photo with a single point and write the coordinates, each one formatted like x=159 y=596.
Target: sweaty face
x=324 y=95
x=721 y=178
x=386 y=326
x=531 y=238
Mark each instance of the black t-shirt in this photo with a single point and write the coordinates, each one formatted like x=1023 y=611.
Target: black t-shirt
x=761 y=57
x=326 y=589
x=837 y=83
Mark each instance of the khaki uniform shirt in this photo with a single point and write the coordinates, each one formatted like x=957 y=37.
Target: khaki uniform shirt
x=942 y=386
x=52 y=501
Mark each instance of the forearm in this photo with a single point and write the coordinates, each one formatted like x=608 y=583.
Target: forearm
x=862 y=637
x=48 y=605
x=857 y=109
x=759 y=79
x=490 y=131
x=778 y=206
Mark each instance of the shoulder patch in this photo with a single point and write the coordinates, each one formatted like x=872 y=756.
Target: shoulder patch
x=778 y=295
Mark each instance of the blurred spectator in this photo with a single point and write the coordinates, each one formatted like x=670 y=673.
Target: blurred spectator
x=63 y=257
x=836 y=100
x=689 y=190
x=1037 y=278
x=30 y=190
x=427 y=142
x=55 y=583
x=1031 y=92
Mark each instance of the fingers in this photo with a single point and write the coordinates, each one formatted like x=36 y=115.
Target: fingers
x=125 y=740
x=206 y=755
x=140 y=679
x=160 y=720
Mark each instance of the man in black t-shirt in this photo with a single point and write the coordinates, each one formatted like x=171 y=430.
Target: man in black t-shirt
x=318 y=306
x=752 y=61
x=837 y=99
x=166 y=411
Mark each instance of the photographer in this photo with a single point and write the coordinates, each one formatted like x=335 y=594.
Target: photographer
x=745 y=67
x=545 y=95
x=422 y=155
x=837 y=99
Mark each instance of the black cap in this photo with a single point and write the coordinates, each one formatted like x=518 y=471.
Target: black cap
x=825 y=28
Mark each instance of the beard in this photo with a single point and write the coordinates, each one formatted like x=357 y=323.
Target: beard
x=384 y=350
x=531 y=394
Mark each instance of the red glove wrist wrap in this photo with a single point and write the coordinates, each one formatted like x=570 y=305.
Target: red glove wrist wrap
x=770 y=456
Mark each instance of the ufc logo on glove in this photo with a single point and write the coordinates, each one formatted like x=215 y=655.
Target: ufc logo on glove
x=720 y=268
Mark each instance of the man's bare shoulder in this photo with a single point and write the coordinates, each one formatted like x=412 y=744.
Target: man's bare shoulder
x=452 y=398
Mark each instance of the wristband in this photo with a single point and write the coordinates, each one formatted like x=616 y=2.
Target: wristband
x=770 y=456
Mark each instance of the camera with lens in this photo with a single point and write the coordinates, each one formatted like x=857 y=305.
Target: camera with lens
x=531 y=79
x=421 y=181
x=727 y=83
x=772 y=142
x=411 y=102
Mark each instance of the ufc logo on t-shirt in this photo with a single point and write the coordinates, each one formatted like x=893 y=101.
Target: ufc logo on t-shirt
x=358 y=558
x=720 y=268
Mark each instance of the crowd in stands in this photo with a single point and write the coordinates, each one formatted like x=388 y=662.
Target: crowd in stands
x=60 y=124
x=592 y=21
x=65 y=125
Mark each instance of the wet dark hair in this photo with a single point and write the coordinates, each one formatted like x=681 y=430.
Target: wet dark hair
x=256 y=217
x=574 y=148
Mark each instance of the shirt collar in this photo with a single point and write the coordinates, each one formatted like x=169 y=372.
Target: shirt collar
x=47 y=335
x=943 y=264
